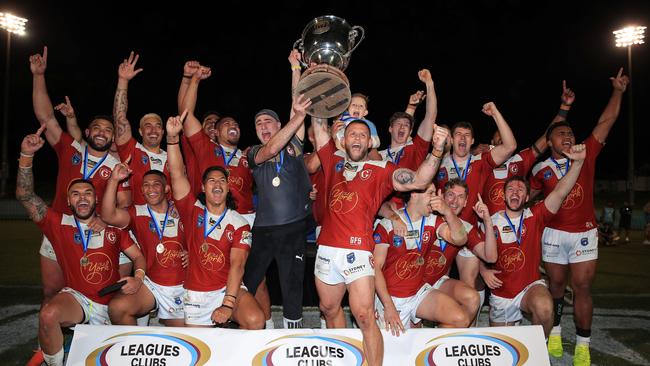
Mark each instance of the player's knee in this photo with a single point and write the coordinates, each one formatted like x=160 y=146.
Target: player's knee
x=581 y=287
x=543 y=308
x=253 y=320
x=365 y=317
x=471 y=299
x=329 y=309
x=49 y=316
x=118 y=309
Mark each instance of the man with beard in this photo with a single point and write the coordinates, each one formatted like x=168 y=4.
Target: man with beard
x=89 y=260
x=157 y=228
x=522 y=162
x=570 y=242
x=218 y=240
x=473 y=169
x=89 y=160
x=148 y=154
x=355 y=191
x=519 y=287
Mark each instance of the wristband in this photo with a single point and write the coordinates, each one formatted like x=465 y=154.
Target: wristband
x=226 y=306
x=437 y=153
x=187 y=76
x=141 y=270
x=562 y=112
x=172 y=143
x=233 y=296
x=26 y=155
x=295 y=67
x=414 y=104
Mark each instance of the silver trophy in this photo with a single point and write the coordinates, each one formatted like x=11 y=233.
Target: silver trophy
x=326 y=45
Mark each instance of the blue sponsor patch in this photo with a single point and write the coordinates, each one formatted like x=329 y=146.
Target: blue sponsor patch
x=177 y=300
x=584 y=242
x=145 y=159
x=77 y=237
x=339 y=166
x=217 y=152
x=548 y=174
x=350 y=258
x=377 y=238
x=76 y=159
x=152 y=226
x=199 y=221
x=441 y=175
x=397 y=241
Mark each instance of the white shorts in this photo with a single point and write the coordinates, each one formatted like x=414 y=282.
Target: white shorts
x=441 y=280
x=407 y=307
x=317 y=231
x=169 y=299
x=94 y=313
x=47 y=251
x=465 y=252
x=562 y=247
x=504 y=310
x=250 y=218
x=199 y=305
x=337 y=265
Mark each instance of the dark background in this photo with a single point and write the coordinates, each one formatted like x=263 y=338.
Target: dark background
x=515 y=53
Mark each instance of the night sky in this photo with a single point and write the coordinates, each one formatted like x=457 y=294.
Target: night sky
x=510 y=52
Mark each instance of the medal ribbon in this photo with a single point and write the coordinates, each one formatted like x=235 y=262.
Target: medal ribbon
x=223 y=155
x=159 y=231
x=517 y=232
x=417 y=241
x=398 y=157
x=207 y=232
x=99 y=163
x=559 y=168
x=279 y=166
x=464 y=176
x=86 y=240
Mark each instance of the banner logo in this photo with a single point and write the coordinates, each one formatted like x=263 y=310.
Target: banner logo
x=148 y=348
x=312 y=349
x=467 y=348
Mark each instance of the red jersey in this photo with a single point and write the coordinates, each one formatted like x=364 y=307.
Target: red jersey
x=519 y=263
x=164 y=268
x=355 y=191
x=210 y=264
x=70 y=154
x=103 y=253
x=320 y=205
x=191 y=165
x=577 y=211
x=441 y=255
x=240 y=180
x=404 y=265
x=480 y=166
x=410 y=156
x=142 y=160
x=518 y=165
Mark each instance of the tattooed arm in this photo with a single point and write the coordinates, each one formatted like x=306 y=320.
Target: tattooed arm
x=407 y=180
x=34 y=204
x=125 y=73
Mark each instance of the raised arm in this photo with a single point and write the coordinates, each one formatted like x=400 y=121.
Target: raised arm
x=405 y=180
x=125 y=72
x=188 y=71
x=192 y=124
x=567 y=98
x=296 y=70
x=425 y=130
x=502 y=152
x=453 y=231
x=180 y=183
x=41 y=100
x=487 y=249
x=414 y=100
x=71 y=123
x=35 y=206
x=111 y=214
x=554 y=199
x=613 y=108
x=282 y=137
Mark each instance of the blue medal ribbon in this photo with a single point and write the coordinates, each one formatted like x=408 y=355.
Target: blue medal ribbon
x=86 y=240
x=159 y=231
x=397 y=158
x=279 y=166
x=518 y=231
x=559 y=168
x=464 y=176
x=99 y=163
x=223 y=155
x=418 y=242
x=207 y=232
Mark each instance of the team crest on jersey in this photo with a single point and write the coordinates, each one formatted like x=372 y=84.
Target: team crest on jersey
x=377 y=238
x=217 y=152
x=397 y=241
x=365 y=174
x=76 y=159
x=177 y=300
x=548 y=174
x=514 y=169
x=426 y=236
x=339 y=166
x=441 y=174
x=350 y=257
x=229 y=235
x=77 y=237
x=199 y=220
x=244 y=162
x=104 y=172
x=290 y=150
x=111 y=236
x=152 y=226
x=584 y=242
x=246 y=238
x=145 y=159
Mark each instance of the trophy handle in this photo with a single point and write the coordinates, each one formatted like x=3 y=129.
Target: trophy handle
x=353 y=34
x=298 y=45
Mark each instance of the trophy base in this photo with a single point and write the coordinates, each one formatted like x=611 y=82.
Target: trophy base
x=328 y=88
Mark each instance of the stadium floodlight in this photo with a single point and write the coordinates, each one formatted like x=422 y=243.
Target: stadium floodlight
x=13 y=25
x=628 y=37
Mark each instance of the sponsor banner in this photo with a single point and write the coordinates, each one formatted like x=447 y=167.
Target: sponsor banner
x=159 y=346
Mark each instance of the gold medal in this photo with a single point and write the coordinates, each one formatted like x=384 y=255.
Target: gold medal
x=160 y=248
x=84 y=261
x=419 y=261
x=204 y=247
x=276 y=182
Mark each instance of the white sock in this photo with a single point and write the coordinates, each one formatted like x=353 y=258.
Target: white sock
x=292 y=324
x=55 y=359
x=143 y=321
x=556 y=330
x=582 y=340
x=481 y=296
x=269 y=323
x=323 y=323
